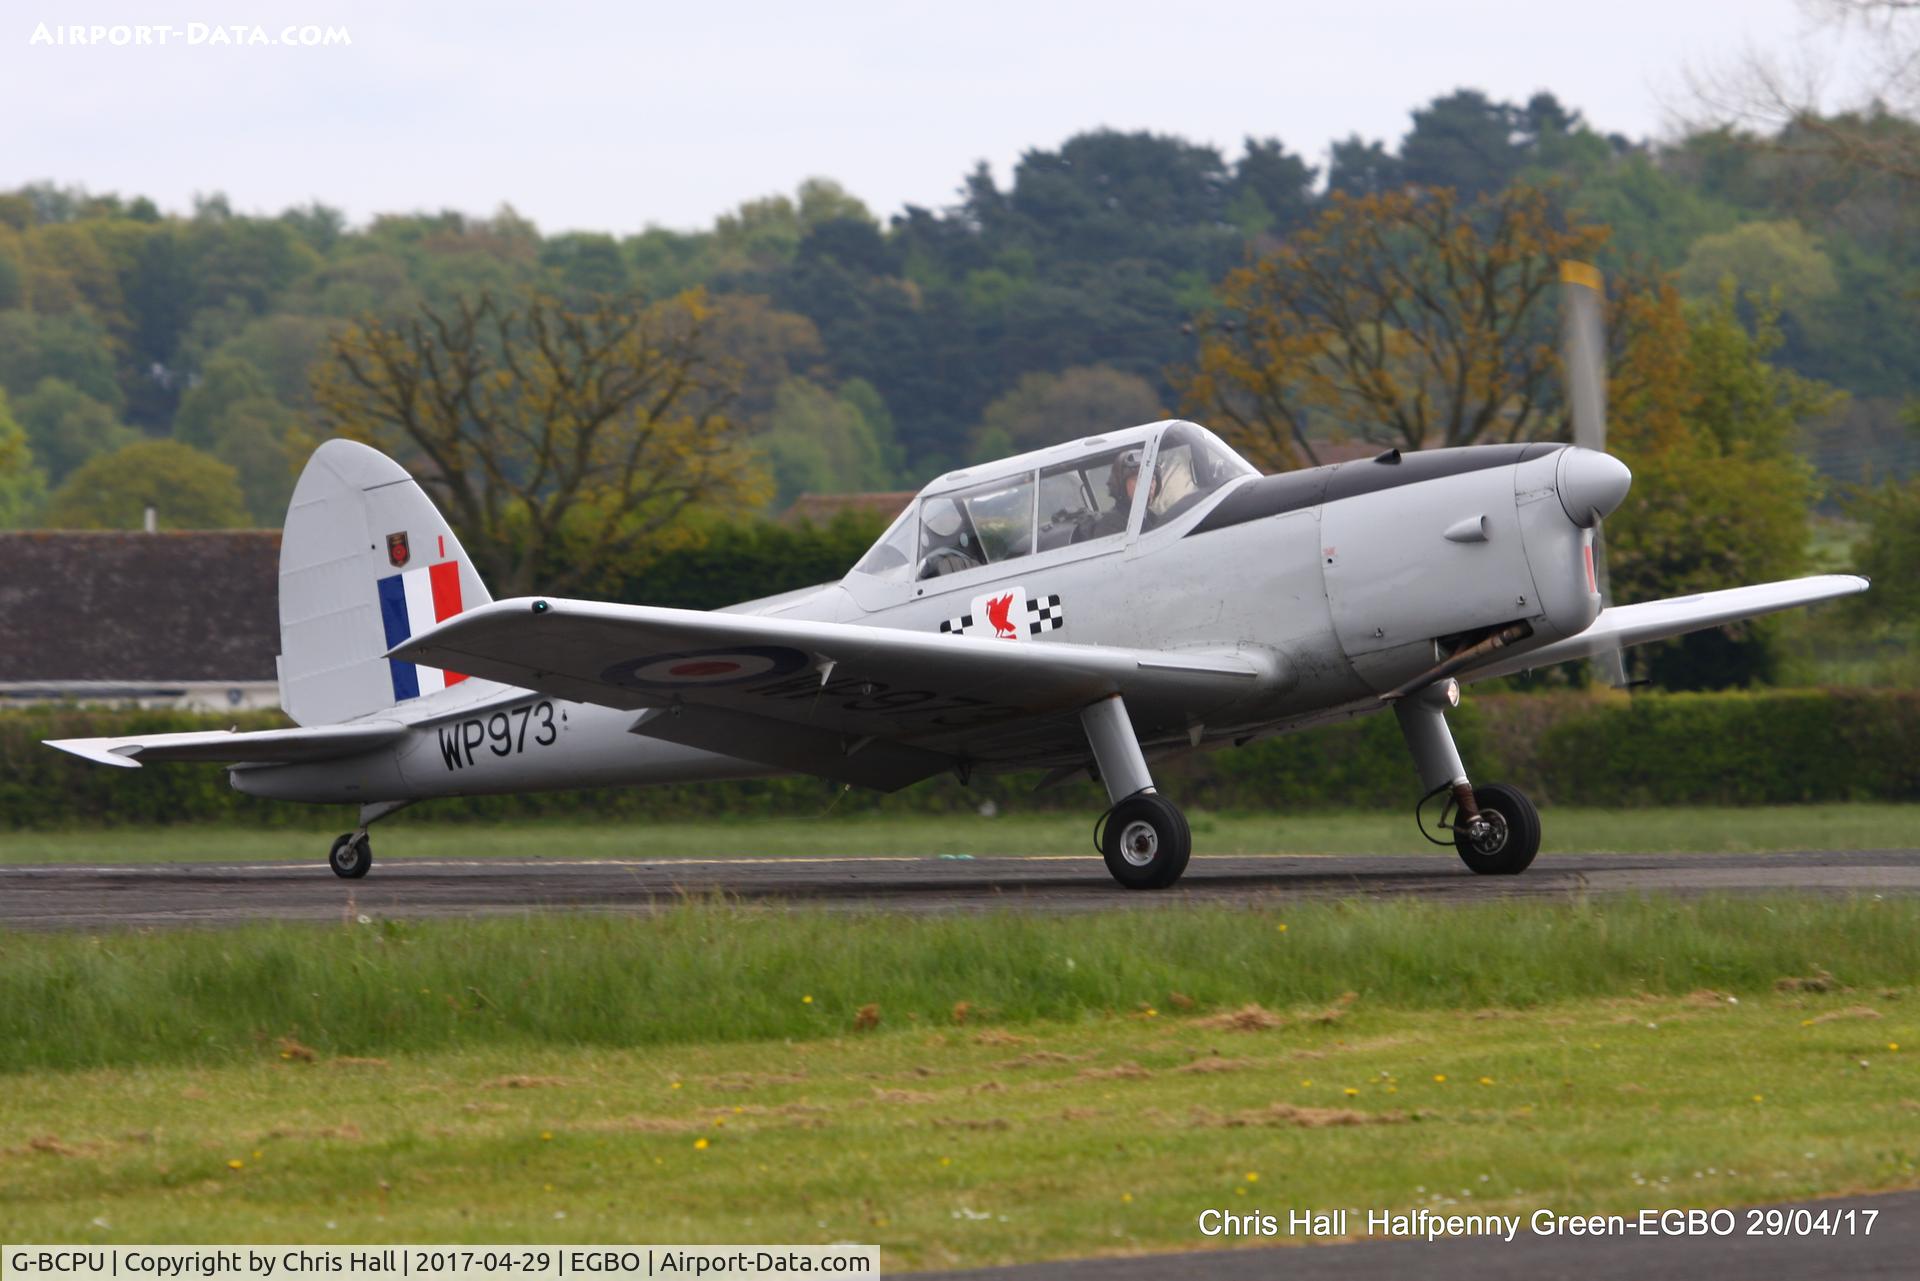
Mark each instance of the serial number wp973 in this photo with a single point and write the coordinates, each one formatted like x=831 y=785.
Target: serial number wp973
x=505 y=733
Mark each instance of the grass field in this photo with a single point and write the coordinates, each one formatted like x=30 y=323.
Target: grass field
x=1722 y=829
x=700 y=1077
x=716 y=973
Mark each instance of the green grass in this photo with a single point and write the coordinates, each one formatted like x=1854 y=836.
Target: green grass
x=709 y=973
x=956 y=1145
x=1726 y=829
x=698 y=1075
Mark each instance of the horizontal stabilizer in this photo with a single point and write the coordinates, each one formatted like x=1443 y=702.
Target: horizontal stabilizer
x=1625 y=625
x=264 y=747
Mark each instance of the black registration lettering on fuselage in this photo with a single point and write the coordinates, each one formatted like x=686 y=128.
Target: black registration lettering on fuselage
x=504 y=733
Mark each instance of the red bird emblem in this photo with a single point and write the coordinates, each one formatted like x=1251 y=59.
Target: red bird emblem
x=997 y=610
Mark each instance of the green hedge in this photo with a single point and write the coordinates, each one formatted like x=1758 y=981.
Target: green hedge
x=1774 y=747
x=1736 y=748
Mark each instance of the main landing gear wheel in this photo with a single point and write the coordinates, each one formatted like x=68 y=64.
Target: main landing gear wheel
x=1511 y=837
x=351 y=855
x=1146 y=842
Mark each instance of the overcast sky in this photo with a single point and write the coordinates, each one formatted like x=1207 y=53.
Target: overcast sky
x=619 y=116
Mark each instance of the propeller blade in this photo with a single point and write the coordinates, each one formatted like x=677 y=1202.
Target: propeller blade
x=1584 y=353
x=1584 y=359
x=1609 y=664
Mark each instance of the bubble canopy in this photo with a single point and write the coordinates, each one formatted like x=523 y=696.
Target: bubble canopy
x=1085 y=491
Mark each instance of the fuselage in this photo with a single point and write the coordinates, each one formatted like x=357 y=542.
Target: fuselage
x=1344 y=581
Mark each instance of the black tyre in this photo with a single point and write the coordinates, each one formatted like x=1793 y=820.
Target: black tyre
x=1513 y=835
x=351 y=856
x=1146 y=842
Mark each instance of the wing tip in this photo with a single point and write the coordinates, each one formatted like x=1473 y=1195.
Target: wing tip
x=117 y=752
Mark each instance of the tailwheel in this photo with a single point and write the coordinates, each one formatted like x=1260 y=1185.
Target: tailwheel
x=1146 y=842
x=351 y=855
x=1504 y=845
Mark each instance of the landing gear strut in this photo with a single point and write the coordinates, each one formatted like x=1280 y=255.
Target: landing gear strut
x=352 y=854
x=1495 y=828
x=1144 y=838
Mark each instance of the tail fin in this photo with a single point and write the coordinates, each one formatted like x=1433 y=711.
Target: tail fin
x=366 y=561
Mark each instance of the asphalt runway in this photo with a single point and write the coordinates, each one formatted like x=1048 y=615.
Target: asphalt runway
x=173 y=894
x=1889 y=1249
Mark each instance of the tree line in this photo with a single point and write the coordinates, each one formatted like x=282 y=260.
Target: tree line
x=1762 y=293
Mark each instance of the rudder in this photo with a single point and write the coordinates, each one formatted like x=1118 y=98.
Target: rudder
x=366 y=560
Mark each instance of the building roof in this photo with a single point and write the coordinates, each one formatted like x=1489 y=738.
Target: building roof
x=117 y=606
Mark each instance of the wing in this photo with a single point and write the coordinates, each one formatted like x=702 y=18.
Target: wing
x=263 y=747
x=1655 y=620
x=879 y=706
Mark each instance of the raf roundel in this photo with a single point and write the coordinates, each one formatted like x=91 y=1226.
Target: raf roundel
x=707 y=667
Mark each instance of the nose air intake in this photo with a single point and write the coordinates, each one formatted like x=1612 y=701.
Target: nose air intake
x=1591 y=485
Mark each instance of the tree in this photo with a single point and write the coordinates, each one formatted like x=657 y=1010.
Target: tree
x=73 y=349
x=66 y=427
x=1271 y=191
x=1106 y=195
x=760 y=235
x=22 y=487
x=585 y=263
x=287 y=349
x=822 y=200
x=321 y=226
x=232 y=415
x=1045 y=409
x=1890 y=548
x=248 y=261
x=13 y=269
x=826 y=443
x=765 y=347
x=1464 y=141
x=1476 y=146
x=186 y=488
x=1875 y=131
x=560 y=438
x=1653 y=214
x=224 y=380
x=258 y=438
x=70 y=272
x=1406 y=318
x=1719 y=496
x=1767 y=258
x=1360 y=168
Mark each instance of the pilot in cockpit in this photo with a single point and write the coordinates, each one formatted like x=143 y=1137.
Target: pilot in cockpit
x=1173 y=482
x=1123 y=478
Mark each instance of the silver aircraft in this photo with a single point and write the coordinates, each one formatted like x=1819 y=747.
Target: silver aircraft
x=1091 y=607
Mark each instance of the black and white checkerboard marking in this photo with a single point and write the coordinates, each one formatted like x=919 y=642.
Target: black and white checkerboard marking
x=1044 y=614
